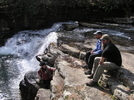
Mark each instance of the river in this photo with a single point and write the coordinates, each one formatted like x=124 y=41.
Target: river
x=17 y=56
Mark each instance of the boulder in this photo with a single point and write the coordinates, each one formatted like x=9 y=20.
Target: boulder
x=69 y=27
x=29 y=86
x=117 y=88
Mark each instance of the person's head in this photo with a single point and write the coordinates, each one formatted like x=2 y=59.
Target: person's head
x=105 y=39
x=43 y=65
x=98 y=34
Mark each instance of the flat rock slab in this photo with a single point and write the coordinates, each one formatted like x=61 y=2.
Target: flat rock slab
x=73 y=82
x=43 y=94
x=128 y=63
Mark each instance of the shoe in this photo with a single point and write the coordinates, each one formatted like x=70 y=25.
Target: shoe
x=92 y=83
x=86 y=67
x=88 y=72
x=91 y=76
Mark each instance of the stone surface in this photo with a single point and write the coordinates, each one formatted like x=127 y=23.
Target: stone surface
x=69 y=79
x=70 y=50
x=28 y=85
x=124 y=77
x=43 y=94
x=73 y=82
x=70 y=27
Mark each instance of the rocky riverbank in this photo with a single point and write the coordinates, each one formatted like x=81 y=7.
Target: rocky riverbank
x=68 y=83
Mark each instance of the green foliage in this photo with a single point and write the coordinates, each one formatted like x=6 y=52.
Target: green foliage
x=34 y=7
x=114 y=98
x=66 y=97
x=110 y=5
x=22 y=6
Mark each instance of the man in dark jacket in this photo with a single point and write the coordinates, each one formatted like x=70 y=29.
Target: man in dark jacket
x=110 y=59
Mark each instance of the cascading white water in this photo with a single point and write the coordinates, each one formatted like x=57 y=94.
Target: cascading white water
x=18 y=57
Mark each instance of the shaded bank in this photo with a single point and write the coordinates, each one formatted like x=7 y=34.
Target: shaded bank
x=33 y=14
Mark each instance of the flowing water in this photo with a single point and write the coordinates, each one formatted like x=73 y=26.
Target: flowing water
x=18 y=55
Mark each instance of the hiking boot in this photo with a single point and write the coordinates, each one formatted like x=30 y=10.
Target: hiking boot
x=91 y=76
x=92 y=83
x=88 y=72
x=86 y=67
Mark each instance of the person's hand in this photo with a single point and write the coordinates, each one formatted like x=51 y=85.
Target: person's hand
x=102 y=63
x=91 y=52
x=102 y=59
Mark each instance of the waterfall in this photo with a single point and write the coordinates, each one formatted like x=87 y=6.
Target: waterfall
x=18 y=57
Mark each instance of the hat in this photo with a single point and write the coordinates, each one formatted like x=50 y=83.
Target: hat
x=98 y=32
x=105 y=37
x=42 y=63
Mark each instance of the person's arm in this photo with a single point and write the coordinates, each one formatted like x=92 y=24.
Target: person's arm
x=98 y=51
x=94 y=49
x=98 y=48
x=51 y=68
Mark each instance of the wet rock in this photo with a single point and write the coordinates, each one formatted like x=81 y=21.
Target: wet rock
x=69 y=27
x=129 y=30
x=124 y=20
x=90 y=25
x=49 y=59
x=28 y=86
x=24 y=90
x=31 y=87
x=51 y=54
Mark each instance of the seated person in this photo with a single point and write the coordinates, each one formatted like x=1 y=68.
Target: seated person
x=90 y=55
x=109 y=60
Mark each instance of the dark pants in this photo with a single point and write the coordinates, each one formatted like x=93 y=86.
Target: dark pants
x=45 y=83
x=89 y=58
